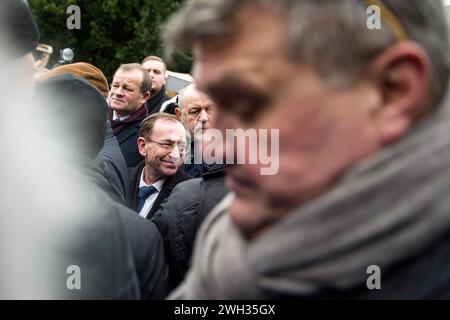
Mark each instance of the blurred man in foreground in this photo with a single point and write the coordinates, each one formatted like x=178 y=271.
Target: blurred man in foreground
x=364 y=148
x=57 y=239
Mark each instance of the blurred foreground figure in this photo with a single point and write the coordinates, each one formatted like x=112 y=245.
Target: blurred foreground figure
x=359 y=207
x=110 y=158
x=59 y=239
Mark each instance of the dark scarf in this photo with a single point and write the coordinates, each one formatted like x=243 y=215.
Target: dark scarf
x=154 y=103
x=385 y=210
x=137 y=116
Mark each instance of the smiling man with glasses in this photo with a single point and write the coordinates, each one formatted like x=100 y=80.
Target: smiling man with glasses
x=162 y=143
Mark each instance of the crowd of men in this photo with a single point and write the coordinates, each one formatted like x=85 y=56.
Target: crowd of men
x=364 y=157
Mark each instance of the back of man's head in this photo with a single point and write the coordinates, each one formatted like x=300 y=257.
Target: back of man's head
x=19 y=36
x=74 y=113
x=19 y=30
x=82 y=69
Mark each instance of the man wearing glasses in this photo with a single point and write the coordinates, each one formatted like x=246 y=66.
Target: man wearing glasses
x=162 y=143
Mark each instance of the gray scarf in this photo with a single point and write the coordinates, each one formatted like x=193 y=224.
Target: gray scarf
x=388 y=208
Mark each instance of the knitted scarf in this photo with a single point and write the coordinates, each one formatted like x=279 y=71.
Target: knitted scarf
x=137 y=116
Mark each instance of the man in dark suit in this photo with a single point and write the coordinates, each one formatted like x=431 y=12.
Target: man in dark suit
x=129 y=92
x=162 y=142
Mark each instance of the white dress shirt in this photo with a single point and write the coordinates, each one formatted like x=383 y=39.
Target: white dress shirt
x=116 y=117
x=151 y=198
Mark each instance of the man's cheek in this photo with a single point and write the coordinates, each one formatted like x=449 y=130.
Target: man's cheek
x=152 y=156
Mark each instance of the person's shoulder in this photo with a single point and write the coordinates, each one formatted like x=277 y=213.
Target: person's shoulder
x=138 y=228
x=185 y=192
x=136 y=170
x=183 y=201
x=214 y=171
x=179 y=177
x=192 y=185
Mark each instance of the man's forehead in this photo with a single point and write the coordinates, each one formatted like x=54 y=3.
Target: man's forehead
x=168 y=128
x=198 y=100
x=132 y=76
x=252 y=47
x=154 y=64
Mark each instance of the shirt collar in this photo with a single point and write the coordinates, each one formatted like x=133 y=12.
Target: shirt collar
x=116 y=117
x=157 y=185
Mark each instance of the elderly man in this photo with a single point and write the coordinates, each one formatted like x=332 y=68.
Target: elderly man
x=162 y=143
x=130 y=90
x=195 y=110
x=190 y=202
x=359 y=207
x=157 y=70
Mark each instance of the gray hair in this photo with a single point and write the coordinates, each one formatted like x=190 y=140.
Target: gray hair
x=182 y=94
x=316 y=26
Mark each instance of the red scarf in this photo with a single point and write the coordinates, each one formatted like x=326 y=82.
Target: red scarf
x=117 y=125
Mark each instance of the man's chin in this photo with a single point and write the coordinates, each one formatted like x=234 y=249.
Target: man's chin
x=118 y=108
x=246 y=214
x=170 y=170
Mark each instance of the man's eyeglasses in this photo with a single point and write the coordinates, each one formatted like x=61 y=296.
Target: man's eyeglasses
x=169 y=146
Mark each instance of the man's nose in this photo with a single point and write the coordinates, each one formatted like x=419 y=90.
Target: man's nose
x=203 y=116
x=175 y=153
x=118 y=91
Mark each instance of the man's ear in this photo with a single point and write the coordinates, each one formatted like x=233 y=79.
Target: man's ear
x=403 y=76
x=141 y=146
x=145 y=97
x=178 y=113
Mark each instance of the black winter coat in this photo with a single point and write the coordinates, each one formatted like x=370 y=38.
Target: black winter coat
x=127 y=139
x=181 y=215
x=145 y=243
x=112 y=163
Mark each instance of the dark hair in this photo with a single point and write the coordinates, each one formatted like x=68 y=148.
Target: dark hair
x=17 y=26
x=148 y=123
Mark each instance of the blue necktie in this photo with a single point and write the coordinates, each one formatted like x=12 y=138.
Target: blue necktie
x=143 y=194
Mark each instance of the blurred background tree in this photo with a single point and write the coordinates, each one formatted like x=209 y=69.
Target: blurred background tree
x=112 y=31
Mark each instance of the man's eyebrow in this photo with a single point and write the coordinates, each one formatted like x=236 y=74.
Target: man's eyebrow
x=168 y=140
x=234 y=85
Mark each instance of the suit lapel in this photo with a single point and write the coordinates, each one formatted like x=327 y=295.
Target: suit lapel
x=134 y=176
x=168 y=185
x=165 y=191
